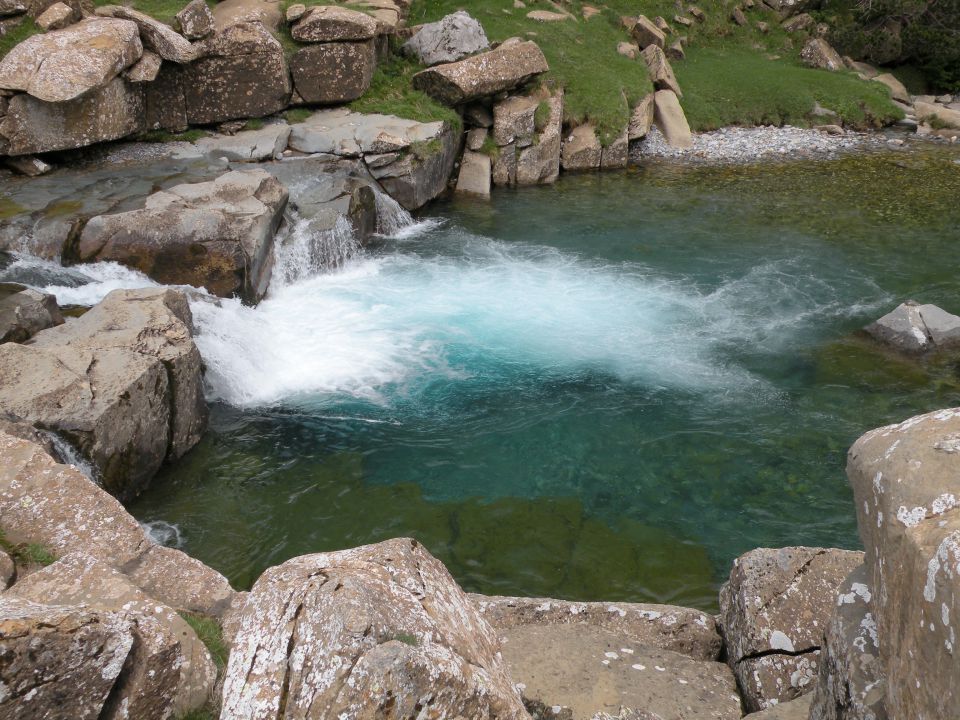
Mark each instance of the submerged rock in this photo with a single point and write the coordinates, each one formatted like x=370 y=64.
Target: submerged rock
x=447 y=40
x=378 y=630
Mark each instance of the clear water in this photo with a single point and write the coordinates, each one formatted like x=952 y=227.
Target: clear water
x=604 y=389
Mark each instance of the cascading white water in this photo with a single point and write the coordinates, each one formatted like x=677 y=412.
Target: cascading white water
x=70 y=455
x=302 y=251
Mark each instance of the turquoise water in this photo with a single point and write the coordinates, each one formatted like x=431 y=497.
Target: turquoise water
x=604 y=389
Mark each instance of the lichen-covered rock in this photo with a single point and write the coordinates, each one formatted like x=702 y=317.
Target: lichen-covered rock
x=669 y=117
x=798 y=709
x=333 y=23
x=641 y=120
x=509 y=66
x=216 y=234
x=581 y=150
x=539 y=163
x=906 y=486
x=381 y=630
x=682 y=630
x=419 y=175
x=241 y=73
x=334 y=72
x=661 y=72
x=173 y=672
x=180 y=581
x=818 y=53
x=513 y=120
x=647 y=33
x=108 y=113
x=122 y=383
x=145 y=70
x=915 y=328
x=56 y=17
x=850 y=685
x=8 y=570
x=157 y=36
x=25 y=312
x=773 y=611
x=195 y=19
x=59 y=663
x=450 y=39
x=65 y=64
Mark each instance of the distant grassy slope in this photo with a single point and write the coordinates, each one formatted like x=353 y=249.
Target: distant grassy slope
x=601 y=85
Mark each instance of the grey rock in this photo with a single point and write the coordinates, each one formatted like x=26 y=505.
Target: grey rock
x=453 y=38
x=641 y=120
x=675 y=50
x=818 y=53
x=195 y=20
x=476 y=137
x=513 y=120
x=333 y=23
x=25 y=312
x=161 y=38
x=581 y=150
x=669 y=117
x=267 y=143
x=540 y=162
x=295 y=12
x=332 y=73
x=474 y=177
x=145 y=70
x=798 y=709
x=216 y=234
x=897 y=89
x=647 y=33
x=55 y=17
x=661 y=73
x=615 y=155
x=916 y=328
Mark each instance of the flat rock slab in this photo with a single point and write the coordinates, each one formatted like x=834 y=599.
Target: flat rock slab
x=349 y=134
x=162 y=39
x=248 y=146
x=591 y=670
x=332 y=23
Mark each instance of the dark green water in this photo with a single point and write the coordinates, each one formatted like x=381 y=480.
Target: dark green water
x=604 y=389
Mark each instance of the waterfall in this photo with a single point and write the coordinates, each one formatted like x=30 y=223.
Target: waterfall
x=392 y=219
x=304 y=251
x=71 y=456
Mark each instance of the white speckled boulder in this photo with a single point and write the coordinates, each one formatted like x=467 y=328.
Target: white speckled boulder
x=450 y=39
x=773 y=612
x=906 y=484
x=377 y=631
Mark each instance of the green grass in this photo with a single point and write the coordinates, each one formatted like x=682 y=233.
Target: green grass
x=27 y=553
x=17 y=35
x=162 y=136
x=295 y=116
x=601 y=85
x=255 y=124
x=163 y=10
x=211 y=635
x=392 y=93
x=735 y=86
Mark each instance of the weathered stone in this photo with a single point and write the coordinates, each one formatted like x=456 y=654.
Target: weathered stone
x=927 y=111
x=333 y=23
x=682 y=20
x=8 y=570
x=641 y=120
x=670 y=119
x=230 y=13
x=504 y=170
x=389 y=15
x=267 y=143
x=195 y=20
x=773 y=611
x=484 y=75
x=628 y=49
x=56 y=17
x=295 y=12
x=173 y=671
x=453 y=38
x=581 y=150
x=513 y=120
x=897 y=89
x=540 y=162
x=660 y=71
x=166 y=101
x=25 y=312
x=242 y=74
x=162 y=39
x=11 y=8
x=381 y=630
x=145 y=69
x=591 y=672
x=34 y=126
x=739 y=17
x=333 y=73
x=798 y=709
x=818 y=53
x=548 y=16
x=647 y=33
x=216 y=234
x=59 y=663
x=474 y=177
x=421 y=174
x=697 y=13
x=850 y=686
x=763 y=27
x=663 y=25
x=476 y=137
x=916 y=328
x=675 y=50
x=64 y=64
x=865 y=69
x=905 y=485
x=478 y=115
x=614 y=156
x=682 y=630
x=122 y=383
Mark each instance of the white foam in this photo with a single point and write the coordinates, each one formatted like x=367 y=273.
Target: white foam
x=85 y=284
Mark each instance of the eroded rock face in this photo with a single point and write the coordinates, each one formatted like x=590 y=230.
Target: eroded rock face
x=915 y=328
x=661 y=72
x=65 y=64
x=122 y=383
x=582 y=149
x=335 y=72
x=450 y=39
x=774 y=610
x=216 y=234
x=60 y=663
x=332 y=23
x=173 y=671
x=906 y=486
x=509 y=66
x=381 y=630
x=156 y=36
x=25 y=312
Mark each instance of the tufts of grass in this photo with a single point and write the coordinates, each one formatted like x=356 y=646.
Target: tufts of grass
x=17 y=35
x=27 y=553
x=211 y=635
x=254 y=124
x=163 y=10
x=407 y=639
x=295 y=116
x=162 y=136
x=392 y=93
x=490 y=148
x=731 y=85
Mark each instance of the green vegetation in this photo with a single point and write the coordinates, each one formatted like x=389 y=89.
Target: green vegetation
x=601 y=85
x=204 y=713
x=295 y=116
x=162 y=10
x=407 y=639
x=490 y=147
x=211 y=635
x=254 y=124
x=392 y=93
x=9 y=208
x=17 y=35
x=728 y=85
x=27 y=553
x=162 y=136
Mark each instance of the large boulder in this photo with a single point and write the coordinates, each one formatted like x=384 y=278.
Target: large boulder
x=773 y=610
x=850 y=686
x=509 y=66
x=897 y=89
x=582 y=149
x=377 y=631
x=57 y=507
x=157 y=36
x=474 y=177
x=915 y=328
x=335 y=72
x=906 y=487
x=65 y=64
x=217 y=234
x=641 y=120
x=25 y=312
x=660 y=70
x=647 y=33
x=669 y=116
x=934 y=111
x=107 y=113
x=60 y=663
x=242 y=73
x=447 y=40
x=333 y=23
x=818 y=53
x=122 y=383
x=540 y=161
x=175 y=673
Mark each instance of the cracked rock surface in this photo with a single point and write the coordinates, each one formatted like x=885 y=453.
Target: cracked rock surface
x=376 y=631
x=916 y=328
